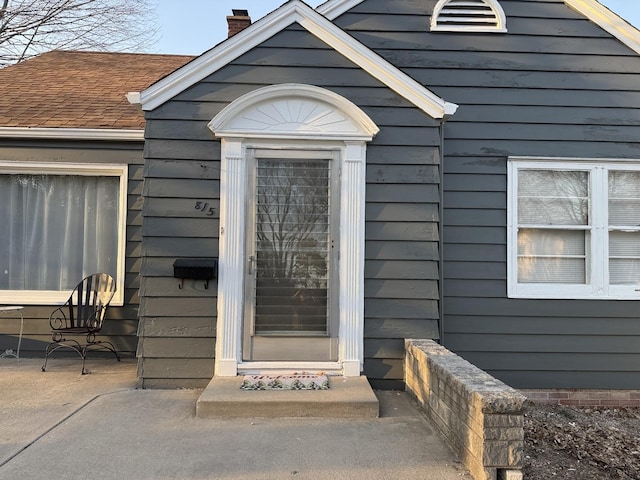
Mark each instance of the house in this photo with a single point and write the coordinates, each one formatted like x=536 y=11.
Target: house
x=379 y=170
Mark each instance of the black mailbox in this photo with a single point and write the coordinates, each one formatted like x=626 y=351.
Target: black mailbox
x=196 y=269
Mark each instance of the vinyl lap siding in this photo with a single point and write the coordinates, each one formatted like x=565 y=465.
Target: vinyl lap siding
x=556 y=85
x=182 y=166
x=177 y=325
x=401 y=255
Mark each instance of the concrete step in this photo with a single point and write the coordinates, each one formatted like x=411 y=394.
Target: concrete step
x=347 y=397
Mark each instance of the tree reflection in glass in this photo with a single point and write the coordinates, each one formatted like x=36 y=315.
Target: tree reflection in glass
x=292 y=246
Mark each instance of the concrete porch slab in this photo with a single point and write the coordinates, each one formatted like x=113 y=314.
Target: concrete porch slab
x=347 y=397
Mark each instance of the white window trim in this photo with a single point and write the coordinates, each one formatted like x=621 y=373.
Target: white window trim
x=598 y=287
x=347 y=133
x=47 y=297
x=500 y=18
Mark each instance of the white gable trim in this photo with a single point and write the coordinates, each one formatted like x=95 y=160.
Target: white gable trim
x=379 y=68
x=609 y=21
x=335 y=8
x=316 y=24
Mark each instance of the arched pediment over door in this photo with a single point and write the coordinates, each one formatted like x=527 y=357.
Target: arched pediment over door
x=294 y=111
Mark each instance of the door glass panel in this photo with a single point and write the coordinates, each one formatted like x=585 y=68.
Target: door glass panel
x=292 y=247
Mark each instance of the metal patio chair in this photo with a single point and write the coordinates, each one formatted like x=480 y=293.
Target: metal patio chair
x=82 y=315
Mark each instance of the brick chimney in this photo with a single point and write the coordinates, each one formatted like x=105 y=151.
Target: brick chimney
x=238 y=21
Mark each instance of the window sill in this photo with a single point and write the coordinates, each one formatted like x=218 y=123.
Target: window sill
x=44 y=297
x=629 y=293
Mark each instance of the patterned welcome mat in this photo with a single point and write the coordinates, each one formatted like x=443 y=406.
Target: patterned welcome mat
x=296 y=381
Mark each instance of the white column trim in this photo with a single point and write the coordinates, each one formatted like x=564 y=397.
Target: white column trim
x=231 y=258
x=352 y=226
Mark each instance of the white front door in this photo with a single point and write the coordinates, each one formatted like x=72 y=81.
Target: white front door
x=292 y=250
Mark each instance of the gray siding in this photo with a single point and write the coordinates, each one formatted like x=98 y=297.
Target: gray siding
x=555 y=85
x=122 y=322
x=177 y=326
x=182 y=166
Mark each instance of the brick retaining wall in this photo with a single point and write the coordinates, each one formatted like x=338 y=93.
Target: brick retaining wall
x=479 y=416
x=585 y=398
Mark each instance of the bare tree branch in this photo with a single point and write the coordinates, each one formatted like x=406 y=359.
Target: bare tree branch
x=5 y=3
x=30 y=27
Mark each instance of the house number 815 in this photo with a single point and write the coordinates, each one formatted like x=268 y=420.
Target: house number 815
x=205 y=208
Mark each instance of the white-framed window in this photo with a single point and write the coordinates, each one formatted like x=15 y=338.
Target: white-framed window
x=60 y=223
x=573 y=228
x=468 y=16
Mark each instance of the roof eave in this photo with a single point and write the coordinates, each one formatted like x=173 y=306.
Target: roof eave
x=609 y=21
x=99 y=134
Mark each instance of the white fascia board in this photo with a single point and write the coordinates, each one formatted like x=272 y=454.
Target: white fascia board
x=376 y=66
x=72 y=133
x=314 y=23
x=609 y=21
x=334 y=8
x=133 y=98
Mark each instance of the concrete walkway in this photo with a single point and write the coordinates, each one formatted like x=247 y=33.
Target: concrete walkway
x=61 y=424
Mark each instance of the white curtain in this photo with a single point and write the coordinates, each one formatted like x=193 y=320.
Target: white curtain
x=56 y=230
x=554 y=199
x=624 y=213
x=552 y=256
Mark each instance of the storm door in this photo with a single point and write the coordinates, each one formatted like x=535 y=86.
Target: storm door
x=291 y=275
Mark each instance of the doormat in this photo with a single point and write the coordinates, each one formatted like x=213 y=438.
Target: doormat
x=296 y=381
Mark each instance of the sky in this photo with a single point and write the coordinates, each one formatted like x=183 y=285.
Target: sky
x=190 y=27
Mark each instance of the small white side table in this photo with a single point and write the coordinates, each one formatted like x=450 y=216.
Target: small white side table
x=8 y=310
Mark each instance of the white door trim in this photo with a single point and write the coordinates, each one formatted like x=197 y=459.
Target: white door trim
x=309 y=118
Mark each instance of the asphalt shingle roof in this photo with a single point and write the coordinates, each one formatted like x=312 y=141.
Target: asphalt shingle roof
x=65 y=89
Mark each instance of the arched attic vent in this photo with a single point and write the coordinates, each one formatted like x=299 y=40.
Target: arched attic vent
x=468 y=16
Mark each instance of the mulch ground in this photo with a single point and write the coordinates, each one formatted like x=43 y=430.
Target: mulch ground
x=563 y=442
